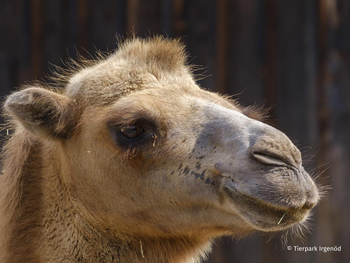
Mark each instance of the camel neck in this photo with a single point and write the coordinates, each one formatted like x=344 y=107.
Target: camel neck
x=21 y=200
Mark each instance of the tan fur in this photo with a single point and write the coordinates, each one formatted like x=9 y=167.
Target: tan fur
x=75 y=189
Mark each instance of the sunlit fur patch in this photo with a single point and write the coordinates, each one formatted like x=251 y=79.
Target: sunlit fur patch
x=256 y=112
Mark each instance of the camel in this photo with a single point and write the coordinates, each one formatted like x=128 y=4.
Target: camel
x=131 y=161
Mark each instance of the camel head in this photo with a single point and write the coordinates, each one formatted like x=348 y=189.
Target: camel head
x=144 y=151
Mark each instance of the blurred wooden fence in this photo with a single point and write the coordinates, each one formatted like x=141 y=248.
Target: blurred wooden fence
x=291 y=55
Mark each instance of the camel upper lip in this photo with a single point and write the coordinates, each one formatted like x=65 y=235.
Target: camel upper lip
x=275 y=214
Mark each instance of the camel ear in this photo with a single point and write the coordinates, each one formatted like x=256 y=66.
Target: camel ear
x=42 y=112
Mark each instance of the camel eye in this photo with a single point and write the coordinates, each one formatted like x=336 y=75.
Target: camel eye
x=134 y=135
x=131 y=131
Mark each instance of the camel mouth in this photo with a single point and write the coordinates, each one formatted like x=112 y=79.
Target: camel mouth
x=263 y=215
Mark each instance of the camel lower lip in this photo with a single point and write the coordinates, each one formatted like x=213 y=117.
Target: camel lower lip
x=268 y=216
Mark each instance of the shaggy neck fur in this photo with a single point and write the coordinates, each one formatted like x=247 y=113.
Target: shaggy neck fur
x=38 y=214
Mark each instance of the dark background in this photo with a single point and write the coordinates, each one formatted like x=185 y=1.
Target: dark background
x=291 y=55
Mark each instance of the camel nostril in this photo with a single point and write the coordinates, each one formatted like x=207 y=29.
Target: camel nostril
x=269 y=158
x=274 y=148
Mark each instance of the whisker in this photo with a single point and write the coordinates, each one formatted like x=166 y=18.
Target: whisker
x=319 y=166
x=279 y=222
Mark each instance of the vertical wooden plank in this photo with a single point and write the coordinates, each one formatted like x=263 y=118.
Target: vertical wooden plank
x=334 y=123
x=310 y=71
x=132 y=11
x=270 y=69
x=179 y=23
x=102 y=28
x=294 y=94
x=167 y=18
x=82 y=20
x=65 y=25
x=24 y=49
x=343 y=125
x=53 y=34
x=71 y=27
x=37 y=38
x=148 y=18
x=291 y=89
x=323 y=112
x=221 y=46
x=199 y=17
x=4 y=73
x=10 y=30
x=121 y=17
x=244 y=66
